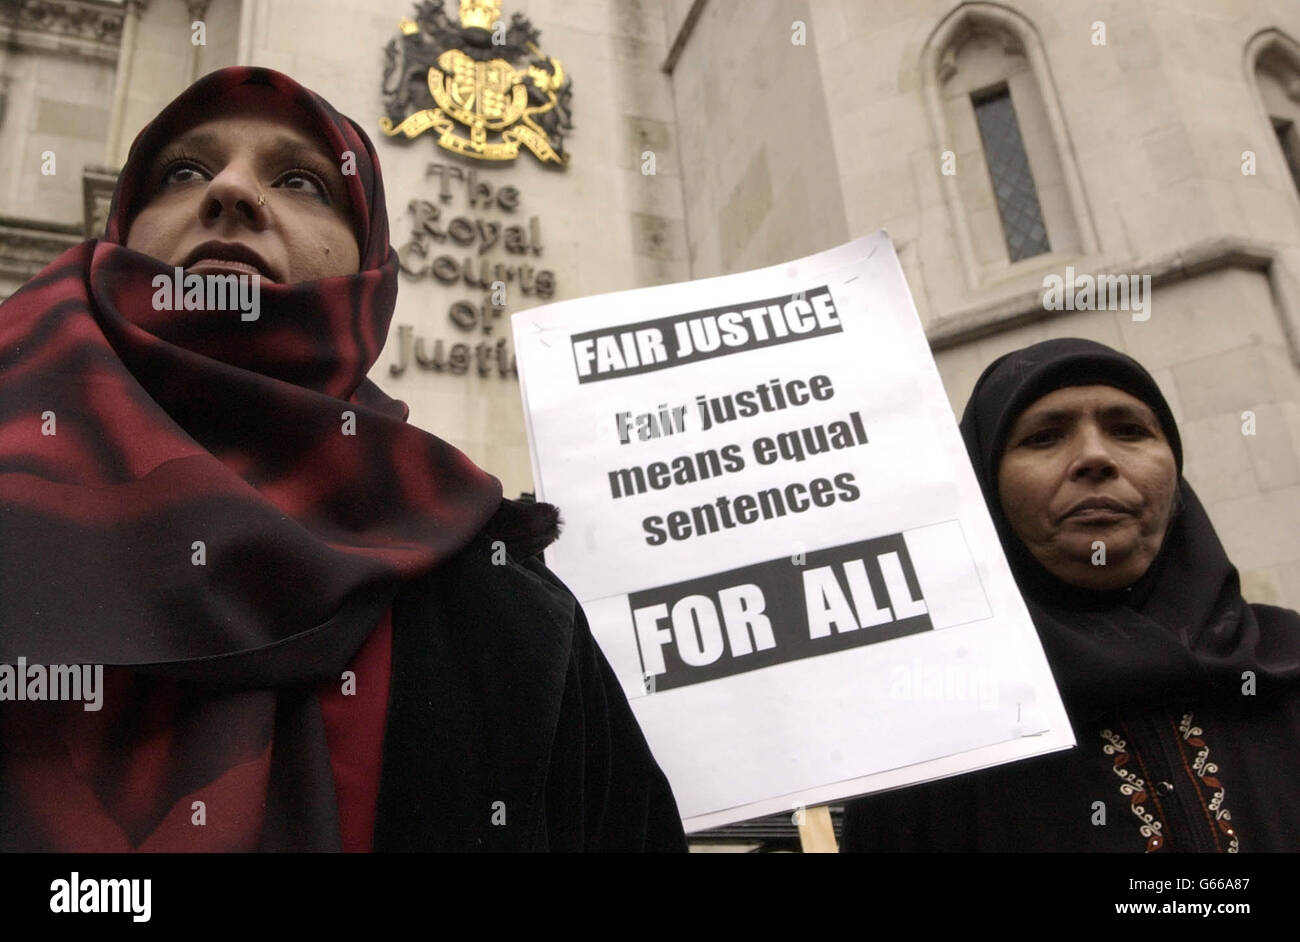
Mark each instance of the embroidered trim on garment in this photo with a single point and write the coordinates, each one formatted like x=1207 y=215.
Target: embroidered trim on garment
x=1220 y=817
x=1135 y=788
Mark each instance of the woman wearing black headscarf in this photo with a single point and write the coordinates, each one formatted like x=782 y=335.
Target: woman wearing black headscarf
x=322 y=628
x=1184 y=698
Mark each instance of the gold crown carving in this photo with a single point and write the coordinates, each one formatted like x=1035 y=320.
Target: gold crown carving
x=480 y=14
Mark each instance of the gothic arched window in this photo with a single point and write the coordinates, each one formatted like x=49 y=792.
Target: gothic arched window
x=1010 y=179
x=1273 y=60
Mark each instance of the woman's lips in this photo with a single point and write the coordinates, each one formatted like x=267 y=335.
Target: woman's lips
x=1099 y=509
x=224 y=266
x=1098 y=515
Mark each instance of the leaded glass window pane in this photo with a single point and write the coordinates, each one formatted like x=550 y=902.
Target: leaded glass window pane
x=1013 y=184
x=1287 y=137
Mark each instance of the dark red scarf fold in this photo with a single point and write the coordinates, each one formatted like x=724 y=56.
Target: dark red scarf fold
x=179 y=499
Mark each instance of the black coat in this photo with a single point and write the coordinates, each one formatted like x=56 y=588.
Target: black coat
x=502 y=707
x=1225 y=780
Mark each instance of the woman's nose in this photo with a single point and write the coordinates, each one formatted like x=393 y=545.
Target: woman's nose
x=1093 y=457
x=235 y=192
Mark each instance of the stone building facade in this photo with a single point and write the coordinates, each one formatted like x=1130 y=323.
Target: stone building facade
x=1161 y=139
x=1001 y=144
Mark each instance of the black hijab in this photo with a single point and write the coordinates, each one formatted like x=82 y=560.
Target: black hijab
x=1181 y=631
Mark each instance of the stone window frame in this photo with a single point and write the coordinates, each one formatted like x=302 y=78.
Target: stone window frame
x=1273 y=42
x=938 y=61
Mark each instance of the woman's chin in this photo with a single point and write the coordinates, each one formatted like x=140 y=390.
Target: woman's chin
x=1098 y=564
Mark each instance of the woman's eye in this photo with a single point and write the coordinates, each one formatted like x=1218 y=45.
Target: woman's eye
x=1131 y=430
x=182 y=173
x=307 y=182
x=1041 y=438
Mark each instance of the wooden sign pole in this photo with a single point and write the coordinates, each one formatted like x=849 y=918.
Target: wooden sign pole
x=816 y=834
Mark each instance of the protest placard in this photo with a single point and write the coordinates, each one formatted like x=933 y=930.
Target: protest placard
x=774 y=530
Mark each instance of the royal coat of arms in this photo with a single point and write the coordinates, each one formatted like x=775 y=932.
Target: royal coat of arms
x=484 y=79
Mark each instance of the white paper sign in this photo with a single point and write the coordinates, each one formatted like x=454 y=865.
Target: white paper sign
x=776 y=535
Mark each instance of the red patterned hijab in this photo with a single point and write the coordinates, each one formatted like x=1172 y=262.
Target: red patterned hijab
x=179 y=498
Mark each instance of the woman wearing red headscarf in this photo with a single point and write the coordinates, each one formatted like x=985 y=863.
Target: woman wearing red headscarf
x=321 y=627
